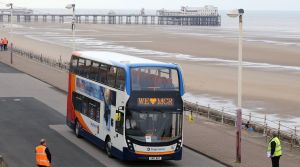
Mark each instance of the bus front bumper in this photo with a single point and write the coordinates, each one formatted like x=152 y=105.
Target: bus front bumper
x=131 y=156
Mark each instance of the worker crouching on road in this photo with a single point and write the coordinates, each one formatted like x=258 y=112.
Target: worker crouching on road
x=274 y=150
x=42 y=154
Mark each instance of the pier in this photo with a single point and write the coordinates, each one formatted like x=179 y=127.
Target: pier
x=186 y=20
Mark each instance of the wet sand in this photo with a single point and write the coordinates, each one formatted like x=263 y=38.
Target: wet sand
x=276 y=91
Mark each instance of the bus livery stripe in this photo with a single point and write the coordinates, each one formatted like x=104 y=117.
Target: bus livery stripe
x=155 y=153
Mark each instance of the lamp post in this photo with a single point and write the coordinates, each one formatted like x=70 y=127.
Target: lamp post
x=72 y=6
x=239 y=13
x=10 y=5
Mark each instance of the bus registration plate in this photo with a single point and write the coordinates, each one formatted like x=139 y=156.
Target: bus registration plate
x=154 y=158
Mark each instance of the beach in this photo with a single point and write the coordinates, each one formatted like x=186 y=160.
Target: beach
x=208 y=57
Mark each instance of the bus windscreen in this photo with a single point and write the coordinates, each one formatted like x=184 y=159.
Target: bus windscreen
x=153 y=126
x=154 y=78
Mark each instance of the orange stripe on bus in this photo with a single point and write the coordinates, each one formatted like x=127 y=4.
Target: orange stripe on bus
x=81 y=121
x=154 y=153
x=71 y=89
x=73 y=82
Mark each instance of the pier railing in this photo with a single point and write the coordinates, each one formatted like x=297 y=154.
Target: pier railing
x=262 y=125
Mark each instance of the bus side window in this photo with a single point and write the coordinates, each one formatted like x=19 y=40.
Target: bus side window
x=174 y=80
x=85 y=108
x=74 y=63
x=87 y=69
x=94 y=71
x=120 y=124
x=77 y=101
x=111 y=76
x=92 y=110
x=103 y=74
x=120 y=82
x=81 y=65
x=97 y=111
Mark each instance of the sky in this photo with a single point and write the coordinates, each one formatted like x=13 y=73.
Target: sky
x=159 y=4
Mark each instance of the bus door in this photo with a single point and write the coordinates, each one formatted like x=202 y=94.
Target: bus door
x=119 y=128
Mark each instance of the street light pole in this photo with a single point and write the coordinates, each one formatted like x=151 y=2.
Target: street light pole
x=10 y=34
x=239 y=13
x=72 y=6
x=240 y=81
x=240 y=70
x=73 y=28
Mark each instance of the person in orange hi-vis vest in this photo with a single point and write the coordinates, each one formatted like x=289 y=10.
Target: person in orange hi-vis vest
x=42 y=154
x=5 y=42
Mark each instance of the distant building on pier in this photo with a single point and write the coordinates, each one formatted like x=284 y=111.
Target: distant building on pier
x=197 y=16
x=207 y=10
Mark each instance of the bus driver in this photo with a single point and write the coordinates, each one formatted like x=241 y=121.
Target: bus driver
x=130 y=122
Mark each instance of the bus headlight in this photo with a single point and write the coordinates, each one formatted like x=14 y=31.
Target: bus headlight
x=130 y=145
x=178 y=145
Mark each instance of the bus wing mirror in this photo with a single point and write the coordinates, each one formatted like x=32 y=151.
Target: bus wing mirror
x=118 y=116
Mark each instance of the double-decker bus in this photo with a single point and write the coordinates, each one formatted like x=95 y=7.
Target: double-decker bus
x=129 y=106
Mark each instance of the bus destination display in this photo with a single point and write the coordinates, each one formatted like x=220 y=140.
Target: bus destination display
x=155 y=101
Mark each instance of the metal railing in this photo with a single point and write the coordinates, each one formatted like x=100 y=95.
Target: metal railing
x=258 y=124
x=56 y=63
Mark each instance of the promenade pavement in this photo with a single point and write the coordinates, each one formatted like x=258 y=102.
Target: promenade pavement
x=207 y=137
x=218 y=141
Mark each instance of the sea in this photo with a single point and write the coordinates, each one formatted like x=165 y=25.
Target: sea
x=262 y=21
x=272 y=27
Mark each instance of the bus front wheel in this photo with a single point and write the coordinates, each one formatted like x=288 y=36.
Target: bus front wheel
x=77 y=129
x=108 y=147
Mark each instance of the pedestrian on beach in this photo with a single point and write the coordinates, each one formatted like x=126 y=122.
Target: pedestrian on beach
x=247 y=125
x=274 y=150
x=42 y=154
x=1 y=44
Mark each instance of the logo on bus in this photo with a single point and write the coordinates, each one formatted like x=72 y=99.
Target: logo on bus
x=155 y=101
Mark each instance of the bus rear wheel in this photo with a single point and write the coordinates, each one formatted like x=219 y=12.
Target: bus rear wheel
x=108 y=147
x=77 y=129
